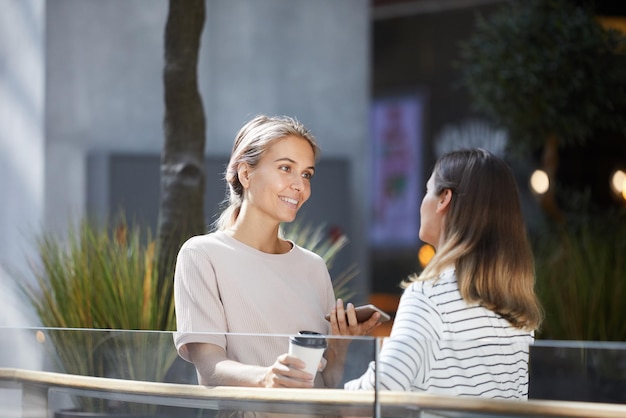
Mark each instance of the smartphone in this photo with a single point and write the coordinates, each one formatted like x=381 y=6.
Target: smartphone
x=364 y=312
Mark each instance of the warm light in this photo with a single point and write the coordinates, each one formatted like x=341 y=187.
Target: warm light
x=618 y=180
x=425 y=254
x=539 y=182
x=40 y=337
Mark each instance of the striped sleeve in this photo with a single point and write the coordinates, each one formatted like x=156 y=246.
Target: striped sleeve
x=441 y=344
x=406 y=356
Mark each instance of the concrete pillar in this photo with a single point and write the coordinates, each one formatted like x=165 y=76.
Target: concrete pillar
x=22 y=167
x=22 y=142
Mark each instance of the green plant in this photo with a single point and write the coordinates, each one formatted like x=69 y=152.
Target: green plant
x=317 y=239
x=581 y=279
x=93 y=292
x=546 y=67
x=91 y=289
x=548 y=72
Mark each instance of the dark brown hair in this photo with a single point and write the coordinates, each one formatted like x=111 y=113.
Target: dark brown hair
x=484 y=237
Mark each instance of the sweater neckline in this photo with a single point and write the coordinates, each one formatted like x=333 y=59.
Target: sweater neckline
x=245 y=247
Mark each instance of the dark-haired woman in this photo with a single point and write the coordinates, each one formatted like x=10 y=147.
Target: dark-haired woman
x=464 y=325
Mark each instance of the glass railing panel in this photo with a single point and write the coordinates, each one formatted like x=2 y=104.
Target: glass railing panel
x=121 y=354
x=149 y=356
x=140 y=372
x=586 y=371
x=590 y=376
x=455 y=371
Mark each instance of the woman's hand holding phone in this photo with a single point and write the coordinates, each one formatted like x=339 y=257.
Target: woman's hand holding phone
x=353 y=321
x=365 y=312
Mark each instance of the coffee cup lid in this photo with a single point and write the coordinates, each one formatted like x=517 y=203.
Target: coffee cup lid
x=309 y=339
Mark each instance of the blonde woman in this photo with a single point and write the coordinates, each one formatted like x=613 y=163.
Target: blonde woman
x=464 y=324
x=244 y=278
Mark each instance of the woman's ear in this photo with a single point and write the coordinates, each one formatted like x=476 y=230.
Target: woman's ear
x=243 y=172
x=444 y=201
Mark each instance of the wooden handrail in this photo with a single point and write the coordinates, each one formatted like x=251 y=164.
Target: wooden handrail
x=318 y=401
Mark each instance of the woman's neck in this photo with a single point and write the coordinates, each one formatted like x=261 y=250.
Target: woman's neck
x=262 y=237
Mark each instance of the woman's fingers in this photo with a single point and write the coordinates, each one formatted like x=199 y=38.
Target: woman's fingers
x=288 y=371
x=343 y=321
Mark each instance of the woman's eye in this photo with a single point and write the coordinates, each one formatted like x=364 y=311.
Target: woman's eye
x=285 y=168
x=307 y=175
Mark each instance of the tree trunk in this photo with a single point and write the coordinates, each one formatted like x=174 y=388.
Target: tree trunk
x=550 y=162
x=182 y=163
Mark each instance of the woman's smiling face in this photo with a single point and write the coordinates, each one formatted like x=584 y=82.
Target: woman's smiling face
x=281 y=182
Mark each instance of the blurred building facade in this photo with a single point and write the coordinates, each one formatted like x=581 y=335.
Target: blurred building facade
x=81 y=110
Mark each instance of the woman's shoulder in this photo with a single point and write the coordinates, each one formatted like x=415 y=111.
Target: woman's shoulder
x=305 y=254
x=442 y=284
x=204 y=241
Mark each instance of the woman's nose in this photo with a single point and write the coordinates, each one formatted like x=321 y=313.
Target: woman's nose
x=297 y=183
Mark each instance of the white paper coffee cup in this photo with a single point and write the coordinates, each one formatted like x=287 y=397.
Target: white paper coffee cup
x=309 y=347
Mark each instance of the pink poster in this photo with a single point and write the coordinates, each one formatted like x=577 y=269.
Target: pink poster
x=396 y=167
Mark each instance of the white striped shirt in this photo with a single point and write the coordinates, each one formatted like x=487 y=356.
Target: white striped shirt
x=441 y=344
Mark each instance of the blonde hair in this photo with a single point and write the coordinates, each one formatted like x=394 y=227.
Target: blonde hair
x=251 y=142
x=484 y=237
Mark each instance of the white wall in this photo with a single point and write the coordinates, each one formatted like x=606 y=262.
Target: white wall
x=104 y=91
